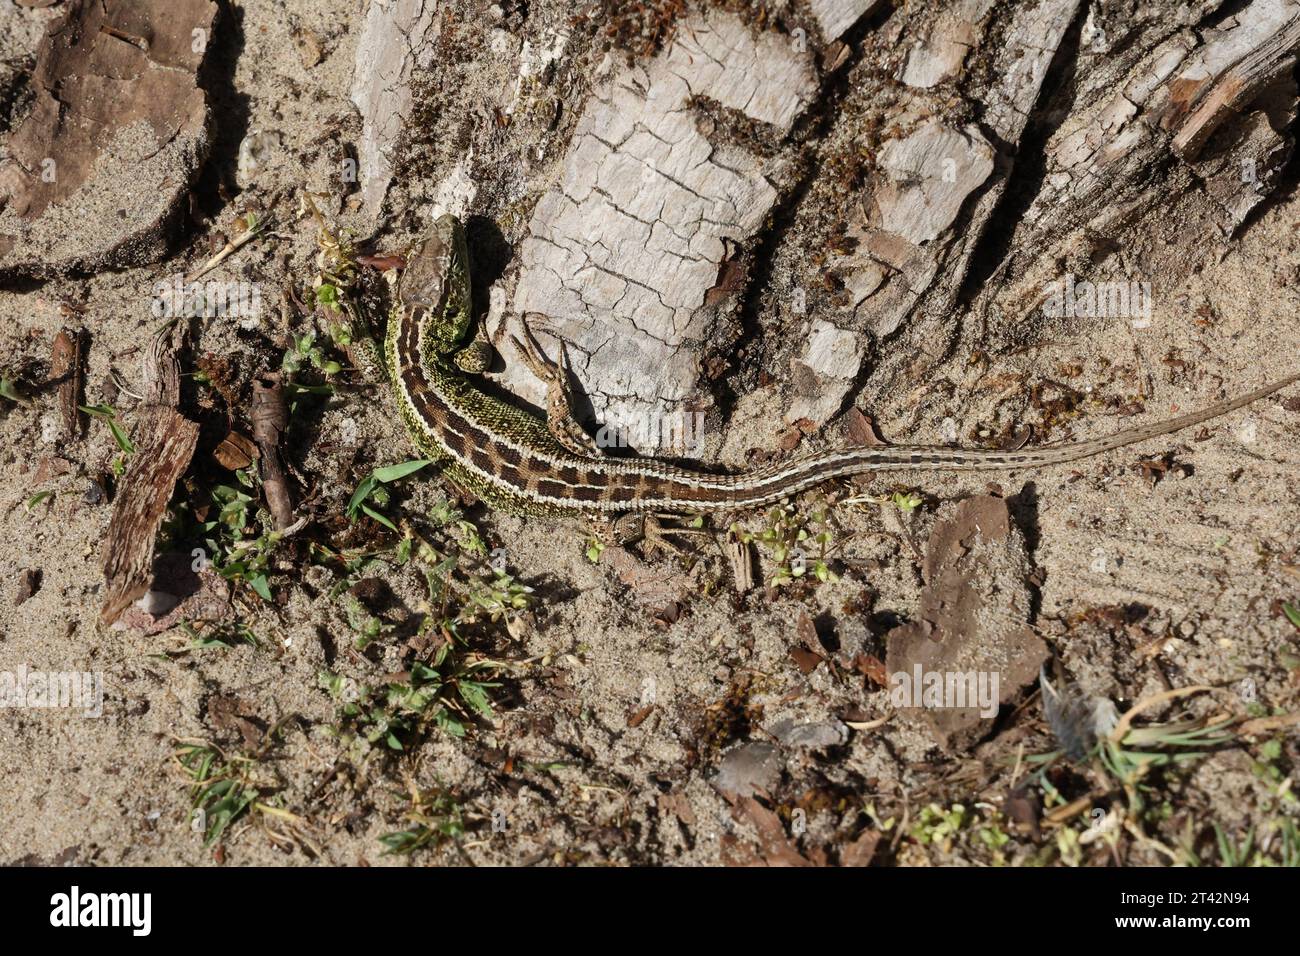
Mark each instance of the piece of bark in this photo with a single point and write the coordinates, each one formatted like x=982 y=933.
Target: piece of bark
x=860 y=430
x=160 y=373
x=397 y=41
x=270 y=418
x=94 y=175
x=29 y=582
x=940 y=55
x=1246 y=54
x=825 y=373
x=741 y=558
x=67 y=367
x=671 y=208
x=973 y=618
x=774 y=846
x=236 y=451
x=834 y=17
x=1116 y=168
x=165 y=441
x=1245 y=171
x=163 y=452
x=862 y=850
x=925 y=210
x=927 y=176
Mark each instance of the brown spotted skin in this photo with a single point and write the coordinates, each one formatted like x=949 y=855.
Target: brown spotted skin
x=508 y=458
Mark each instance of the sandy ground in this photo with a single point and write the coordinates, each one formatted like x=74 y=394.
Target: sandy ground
x=575 y=762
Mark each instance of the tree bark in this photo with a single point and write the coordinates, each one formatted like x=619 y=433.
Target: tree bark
x=831 y=186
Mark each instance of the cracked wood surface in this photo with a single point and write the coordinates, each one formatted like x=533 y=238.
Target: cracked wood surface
x=621 y=254
x=1135 y=145
x=396 y=40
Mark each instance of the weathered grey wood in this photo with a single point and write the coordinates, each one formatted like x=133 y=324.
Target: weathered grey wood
x=621 y=254
x=396 y=40
x=1134 y=147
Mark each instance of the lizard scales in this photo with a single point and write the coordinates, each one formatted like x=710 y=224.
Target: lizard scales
x=515 y=461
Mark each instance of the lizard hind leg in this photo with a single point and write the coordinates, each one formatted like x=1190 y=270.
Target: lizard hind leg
x=646 y=527
x=560 y=420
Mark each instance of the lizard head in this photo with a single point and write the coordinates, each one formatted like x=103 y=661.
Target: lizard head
x=435 y=285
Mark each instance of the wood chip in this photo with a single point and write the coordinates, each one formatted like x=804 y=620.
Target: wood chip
x=29 y=582
x=164 y=447
x=270 y=417
x=741 y=558
x=236 y=451
x=67 y=368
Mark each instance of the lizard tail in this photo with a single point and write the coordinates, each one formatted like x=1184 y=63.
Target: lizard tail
x=768 y=485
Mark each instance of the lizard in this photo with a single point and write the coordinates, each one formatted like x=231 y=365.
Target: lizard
x=516 y=461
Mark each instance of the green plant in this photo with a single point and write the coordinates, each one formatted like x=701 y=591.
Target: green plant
x=9 y=390
x=220 y=634
x=907 y=502
x=240 y=539
x=436 y=816
x=441 y=694
x=222 y=790
x=108 y=415
x=304 y=351
x=787 y=537
x=372 y=490
x=1232 y=853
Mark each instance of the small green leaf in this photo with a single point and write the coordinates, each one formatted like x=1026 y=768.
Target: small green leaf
x=10 y=391
x=109 y=415
x=394 y=472
x=361 y=494
x=328 y=296
x=379 y=517
x=907 y=503
x=474 y=695
x=37 y=498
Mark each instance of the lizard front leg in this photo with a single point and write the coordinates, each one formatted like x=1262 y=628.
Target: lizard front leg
x=476 y=357
x=560 y=420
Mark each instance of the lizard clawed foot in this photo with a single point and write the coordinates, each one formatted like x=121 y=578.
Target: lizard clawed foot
x=560 y=420
x=655 y=538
